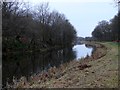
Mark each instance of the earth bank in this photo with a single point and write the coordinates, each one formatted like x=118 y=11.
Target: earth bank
x=99 y=70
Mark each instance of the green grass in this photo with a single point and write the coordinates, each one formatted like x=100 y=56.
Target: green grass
x=113 y=43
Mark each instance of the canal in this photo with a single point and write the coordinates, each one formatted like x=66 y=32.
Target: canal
x=27 y=64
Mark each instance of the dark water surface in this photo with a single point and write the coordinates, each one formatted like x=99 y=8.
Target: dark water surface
x=24 y=64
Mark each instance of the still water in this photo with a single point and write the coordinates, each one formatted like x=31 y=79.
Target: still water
x=82 y=51
x=27 y=64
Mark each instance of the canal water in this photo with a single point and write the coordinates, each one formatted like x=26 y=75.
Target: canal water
x=27 y=64
x=82 y=51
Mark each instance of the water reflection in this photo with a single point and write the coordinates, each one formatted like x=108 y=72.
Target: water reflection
x=26 y=64
x=82 y=51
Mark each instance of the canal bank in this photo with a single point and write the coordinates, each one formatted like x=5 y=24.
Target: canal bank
x=29 y=64
x=99 y=70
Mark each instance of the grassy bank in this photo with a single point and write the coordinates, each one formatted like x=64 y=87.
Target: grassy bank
x=99 y=70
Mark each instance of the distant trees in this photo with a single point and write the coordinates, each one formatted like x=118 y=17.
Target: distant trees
x=107 y=31
x=26 y=29
x=102 y=30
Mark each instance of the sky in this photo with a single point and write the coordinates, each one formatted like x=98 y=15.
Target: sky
x=84 y=15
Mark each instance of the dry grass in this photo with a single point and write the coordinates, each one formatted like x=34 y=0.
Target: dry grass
x=100 y=70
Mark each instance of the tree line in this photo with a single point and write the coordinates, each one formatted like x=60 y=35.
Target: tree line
x=107 y=30
x=24 y=28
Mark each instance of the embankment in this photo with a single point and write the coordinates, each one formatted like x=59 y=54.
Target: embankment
x=99 y=70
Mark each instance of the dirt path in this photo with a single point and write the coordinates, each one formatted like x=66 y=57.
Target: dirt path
x=100 y=70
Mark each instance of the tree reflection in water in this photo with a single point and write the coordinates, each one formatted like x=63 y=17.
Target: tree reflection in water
x=24 y=64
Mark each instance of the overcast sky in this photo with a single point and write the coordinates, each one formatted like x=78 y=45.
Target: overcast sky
x=84 y=15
